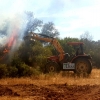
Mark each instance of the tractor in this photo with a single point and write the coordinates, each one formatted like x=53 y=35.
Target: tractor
x=79 y=63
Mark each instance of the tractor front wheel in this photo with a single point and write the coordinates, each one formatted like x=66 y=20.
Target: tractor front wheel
x=51 y=67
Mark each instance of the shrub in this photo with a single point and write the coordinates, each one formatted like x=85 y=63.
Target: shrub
x=16 y=61
x=3 y=70
x=24 y=70
x=12 y=71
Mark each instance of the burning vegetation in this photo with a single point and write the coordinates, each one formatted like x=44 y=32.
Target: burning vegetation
x=15 y=53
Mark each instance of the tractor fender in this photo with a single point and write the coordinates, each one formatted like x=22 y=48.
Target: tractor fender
x=81 y=56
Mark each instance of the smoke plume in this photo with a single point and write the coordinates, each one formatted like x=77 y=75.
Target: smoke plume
x=13 y=34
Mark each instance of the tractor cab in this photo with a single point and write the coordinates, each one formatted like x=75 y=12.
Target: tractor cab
x=78 y=46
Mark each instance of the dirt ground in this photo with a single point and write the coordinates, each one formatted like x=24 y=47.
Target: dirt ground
x=50 y=92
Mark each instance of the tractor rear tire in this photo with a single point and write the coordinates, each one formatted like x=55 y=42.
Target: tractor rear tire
x=51 y=67
x=83 y=67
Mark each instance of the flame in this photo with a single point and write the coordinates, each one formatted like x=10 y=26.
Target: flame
x=13 y=38
x=5 y=50
x=11 y=41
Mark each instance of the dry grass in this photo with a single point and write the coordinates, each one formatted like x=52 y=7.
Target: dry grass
x=61 y=78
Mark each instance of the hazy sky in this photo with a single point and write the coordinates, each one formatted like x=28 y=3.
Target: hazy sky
x=71 y=17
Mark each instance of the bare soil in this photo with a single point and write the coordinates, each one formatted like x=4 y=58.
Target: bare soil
x=51 y=92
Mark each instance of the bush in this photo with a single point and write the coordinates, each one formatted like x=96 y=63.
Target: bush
x=3 y=70
x=12 y=71
x=24 y=70
x=16 y=61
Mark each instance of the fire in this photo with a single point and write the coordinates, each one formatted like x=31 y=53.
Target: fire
x=13 y=37
x=11 y=41
x=5 y=50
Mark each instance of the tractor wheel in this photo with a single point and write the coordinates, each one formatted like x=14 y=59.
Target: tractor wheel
x=83 y=67
x=51 y=67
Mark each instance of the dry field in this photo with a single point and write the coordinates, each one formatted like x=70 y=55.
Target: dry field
x=62 y=86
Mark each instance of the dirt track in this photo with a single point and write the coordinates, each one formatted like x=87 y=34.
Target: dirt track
x=51 y=92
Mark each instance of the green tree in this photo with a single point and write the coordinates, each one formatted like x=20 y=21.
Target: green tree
x=67 y=48
x=49 y=30
x=34 y=53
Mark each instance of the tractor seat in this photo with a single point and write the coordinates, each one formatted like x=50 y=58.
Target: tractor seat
x=66 y=56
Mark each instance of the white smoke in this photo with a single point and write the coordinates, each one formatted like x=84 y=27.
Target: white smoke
x=16 y=28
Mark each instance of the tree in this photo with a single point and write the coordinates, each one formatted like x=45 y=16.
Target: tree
x=49 y=30
x=91 y=47
x=32 y=24
x=86 y=36
x=66 y=47
x=33 y=53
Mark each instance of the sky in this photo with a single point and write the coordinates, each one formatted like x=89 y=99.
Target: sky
x=72 y=18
